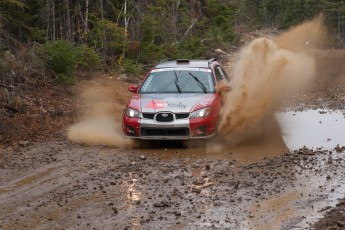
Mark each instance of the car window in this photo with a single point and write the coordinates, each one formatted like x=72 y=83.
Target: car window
x=220 y=74
x=179 y=80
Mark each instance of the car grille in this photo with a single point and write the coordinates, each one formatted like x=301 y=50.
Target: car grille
x=159 y=118
x=181 y=132
x=164 y=117
x=181 y=115
x=148 y=115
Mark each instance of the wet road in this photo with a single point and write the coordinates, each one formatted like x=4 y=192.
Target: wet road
x=293 y=130
x=272 y=183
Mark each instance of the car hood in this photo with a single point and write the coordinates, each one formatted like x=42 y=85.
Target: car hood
x=177 y=103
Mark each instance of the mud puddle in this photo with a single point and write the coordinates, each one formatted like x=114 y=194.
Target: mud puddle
x=313 y=128
x=309 y=128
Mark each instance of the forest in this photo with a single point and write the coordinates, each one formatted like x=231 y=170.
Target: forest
x=51 y=39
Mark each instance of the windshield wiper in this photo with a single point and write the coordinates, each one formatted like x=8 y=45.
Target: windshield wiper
x=176 y=82
x=202 y=86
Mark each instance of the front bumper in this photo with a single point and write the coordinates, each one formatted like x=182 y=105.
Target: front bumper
x=182 y=129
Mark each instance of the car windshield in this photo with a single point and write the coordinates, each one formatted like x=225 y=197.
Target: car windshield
x=179 y=80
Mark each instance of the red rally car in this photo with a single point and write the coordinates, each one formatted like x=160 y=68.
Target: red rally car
x=177 y=100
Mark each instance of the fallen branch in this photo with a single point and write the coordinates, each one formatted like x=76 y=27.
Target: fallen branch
x=188 y=30
x=12 y=109
x=11 y=87
x=3 y=113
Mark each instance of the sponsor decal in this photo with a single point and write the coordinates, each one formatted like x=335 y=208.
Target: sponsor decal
x=147 y=83
x=158 y=104
x=177 y=105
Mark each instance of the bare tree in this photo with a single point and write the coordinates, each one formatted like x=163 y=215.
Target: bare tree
x=195 y=6
x=53 y=19
x=86 y=17
x=68 y=21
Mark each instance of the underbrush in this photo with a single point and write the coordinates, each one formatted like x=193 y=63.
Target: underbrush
x=63 y=58
x=33 y=102
x=33 y=113
x=24 y=127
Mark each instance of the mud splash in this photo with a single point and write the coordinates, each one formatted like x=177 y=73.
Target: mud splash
x=268 y=72
x=100 y=123
x=270 y=144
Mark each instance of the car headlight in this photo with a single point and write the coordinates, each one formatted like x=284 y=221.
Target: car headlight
x=201 y=113
x=132 y=113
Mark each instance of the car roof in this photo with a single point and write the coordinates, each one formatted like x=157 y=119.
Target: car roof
x=185 y=63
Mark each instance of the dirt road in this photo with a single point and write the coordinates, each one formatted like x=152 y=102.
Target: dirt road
x=59 y=185
x=286 y=181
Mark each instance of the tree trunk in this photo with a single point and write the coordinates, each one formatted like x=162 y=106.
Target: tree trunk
x=188 y=30
x=68 y=21
x=103 y=37
x=126 y=27
x=53 y=20
x=48 y=8
x=80 y=22
x=102 y=13
x=86 y=28
x=61 y=25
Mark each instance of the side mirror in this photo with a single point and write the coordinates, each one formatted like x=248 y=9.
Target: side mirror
x=224 y=87
x=227 y=88
x=133 y=88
